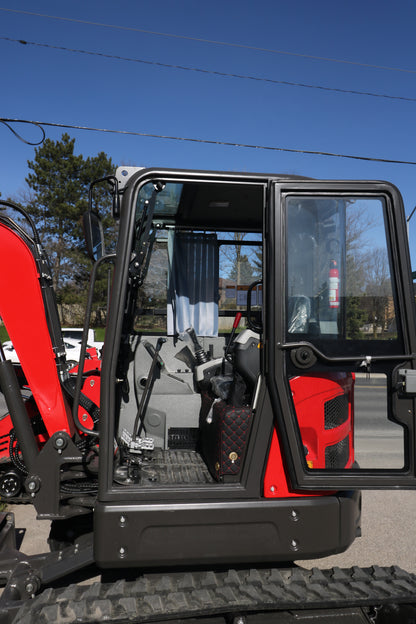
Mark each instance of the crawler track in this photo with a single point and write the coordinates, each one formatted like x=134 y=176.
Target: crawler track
x=351 y=592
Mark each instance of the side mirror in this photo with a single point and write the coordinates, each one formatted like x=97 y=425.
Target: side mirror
x=94 y=235
x=113 y=183
x=116 y=204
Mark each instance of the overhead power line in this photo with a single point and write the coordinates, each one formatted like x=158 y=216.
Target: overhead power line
x=19 y=136
x=285 y=83
x=8 y=121
x=211 y=41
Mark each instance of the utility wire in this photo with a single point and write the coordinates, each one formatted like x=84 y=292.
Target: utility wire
x=19 y=136
x=210 y=141
x=285 y=83
x=211 y=41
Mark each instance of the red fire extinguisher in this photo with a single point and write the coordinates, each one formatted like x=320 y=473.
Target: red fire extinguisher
x=333 y=285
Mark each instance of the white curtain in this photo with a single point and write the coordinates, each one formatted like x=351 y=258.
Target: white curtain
x=193 y=283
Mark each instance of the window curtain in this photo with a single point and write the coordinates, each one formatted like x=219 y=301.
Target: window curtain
x=193 y=283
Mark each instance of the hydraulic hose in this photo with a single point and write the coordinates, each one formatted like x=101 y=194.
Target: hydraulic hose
x=21 y=423
x=9 y=204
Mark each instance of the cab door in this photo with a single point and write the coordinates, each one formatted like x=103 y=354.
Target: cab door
x=340 y=334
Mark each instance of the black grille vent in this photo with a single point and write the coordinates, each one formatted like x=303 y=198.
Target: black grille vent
x=336 y=411
x=337 y=455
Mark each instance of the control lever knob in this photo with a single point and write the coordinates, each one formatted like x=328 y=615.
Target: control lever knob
x=200 y=355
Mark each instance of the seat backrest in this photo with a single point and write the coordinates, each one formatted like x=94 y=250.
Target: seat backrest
x=247 y=357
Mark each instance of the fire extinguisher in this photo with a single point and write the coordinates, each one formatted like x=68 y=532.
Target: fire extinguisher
x=333 y=285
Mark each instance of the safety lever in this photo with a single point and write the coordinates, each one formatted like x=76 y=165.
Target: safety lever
x=156 y=360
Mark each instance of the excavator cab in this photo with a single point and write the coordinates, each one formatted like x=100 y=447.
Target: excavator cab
x=229 y=424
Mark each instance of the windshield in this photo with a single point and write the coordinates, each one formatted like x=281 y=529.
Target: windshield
x=167 y=201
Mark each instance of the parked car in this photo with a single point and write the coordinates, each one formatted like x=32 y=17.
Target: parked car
x=10 y=352
x=72 y=350
x=76 y=334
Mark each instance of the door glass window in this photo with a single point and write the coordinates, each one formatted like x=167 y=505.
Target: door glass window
x=340 y=298
x=338 y=276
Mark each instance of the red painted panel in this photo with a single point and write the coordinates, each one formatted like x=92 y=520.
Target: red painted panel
x=310 y=393
x=22 y=310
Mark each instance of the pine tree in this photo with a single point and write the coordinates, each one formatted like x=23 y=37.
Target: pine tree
x=59 y=182
x=242 y=271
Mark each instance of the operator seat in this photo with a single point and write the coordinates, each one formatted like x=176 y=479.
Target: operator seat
x=225 y=423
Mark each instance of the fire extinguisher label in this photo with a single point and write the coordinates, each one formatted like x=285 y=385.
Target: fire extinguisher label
x=334 y=292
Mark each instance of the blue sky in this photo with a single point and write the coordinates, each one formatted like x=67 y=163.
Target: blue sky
x=57 y=86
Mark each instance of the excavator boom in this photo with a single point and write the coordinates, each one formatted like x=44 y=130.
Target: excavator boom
x=22 y=308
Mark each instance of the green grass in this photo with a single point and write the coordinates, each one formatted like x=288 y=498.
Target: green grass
x=99 y=334
x=3 y=334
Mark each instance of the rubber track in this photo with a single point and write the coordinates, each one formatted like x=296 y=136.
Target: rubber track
x=174 y=596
